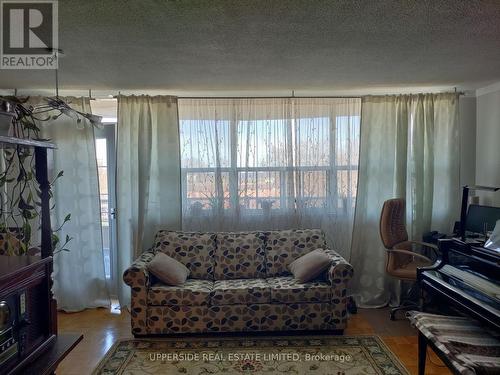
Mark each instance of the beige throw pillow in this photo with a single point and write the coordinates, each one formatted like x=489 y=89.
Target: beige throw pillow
x=310 y=266
x=168 y=270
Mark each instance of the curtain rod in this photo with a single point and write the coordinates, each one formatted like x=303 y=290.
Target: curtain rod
x=293 y=96
x=297 y=97
x=262 y=97
x=270 y=97
x=460 y=93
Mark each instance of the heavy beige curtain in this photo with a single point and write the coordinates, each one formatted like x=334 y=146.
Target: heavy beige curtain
x=409 y=149
x=148 y=176
x=79 y=277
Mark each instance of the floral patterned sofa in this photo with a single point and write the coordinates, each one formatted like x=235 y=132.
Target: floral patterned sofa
x=238 y=282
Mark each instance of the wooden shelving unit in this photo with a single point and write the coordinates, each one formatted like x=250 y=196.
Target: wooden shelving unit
x=13 y=141
x=40 y=348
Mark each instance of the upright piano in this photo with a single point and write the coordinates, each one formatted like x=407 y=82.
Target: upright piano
x=466 y=279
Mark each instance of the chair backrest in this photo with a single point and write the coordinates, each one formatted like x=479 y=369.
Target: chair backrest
x=392 y=223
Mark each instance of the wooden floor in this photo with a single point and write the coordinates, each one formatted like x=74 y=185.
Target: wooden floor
x=101 y=329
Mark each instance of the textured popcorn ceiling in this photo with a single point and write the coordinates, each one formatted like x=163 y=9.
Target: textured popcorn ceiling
x=269 y=44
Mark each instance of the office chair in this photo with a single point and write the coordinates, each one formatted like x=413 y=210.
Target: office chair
x=402 y=260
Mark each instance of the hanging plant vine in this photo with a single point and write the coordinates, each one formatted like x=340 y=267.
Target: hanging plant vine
x=20 y=197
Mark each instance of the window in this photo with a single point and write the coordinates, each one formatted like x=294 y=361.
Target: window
x=254 y=158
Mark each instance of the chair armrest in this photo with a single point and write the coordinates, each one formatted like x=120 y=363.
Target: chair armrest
x=137 y=274
x=425 y=244
x=410 y=253
x=340 y=271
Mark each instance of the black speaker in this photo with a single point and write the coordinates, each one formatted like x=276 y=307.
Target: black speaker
x=9 y=349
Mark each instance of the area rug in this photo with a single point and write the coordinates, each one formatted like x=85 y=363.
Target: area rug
x=343 y=355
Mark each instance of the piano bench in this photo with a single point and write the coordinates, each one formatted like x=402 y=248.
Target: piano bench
x=462 y=343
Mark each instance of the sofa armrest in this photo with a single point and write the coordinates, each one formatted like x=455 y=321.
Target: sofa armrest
x=137 y=274
x=340 y=272
x=137 y=277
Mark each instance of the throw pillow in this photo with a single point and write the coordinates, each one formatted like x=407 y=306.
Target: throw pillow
x=168 y=270
x=310 y=266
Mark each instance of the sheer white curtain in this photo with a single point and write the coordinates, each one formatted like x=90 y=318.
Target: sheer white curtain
x=409 y=149
x=79 y=278
x=148 y=176
x=256 y=164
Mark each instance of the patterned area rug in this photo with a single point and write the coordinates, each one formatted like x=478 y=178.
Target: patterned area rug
x=343 y=355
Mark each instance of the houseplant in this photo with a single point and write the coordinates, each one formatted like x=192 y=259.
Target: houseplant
x=20 y=203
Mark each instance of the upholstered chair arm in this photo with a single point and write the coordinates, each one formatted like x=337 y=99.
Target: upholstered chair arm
x=137 y=274
x=432 y=247
x=340 y=271
x=410 y=253
x=425 y=244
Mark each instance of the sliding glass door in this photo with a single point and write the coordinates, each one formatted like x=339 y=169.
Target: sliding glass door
x=106 y=166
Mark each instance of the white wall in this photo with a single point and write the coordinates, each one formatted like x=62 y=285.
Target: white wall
x=488 y=142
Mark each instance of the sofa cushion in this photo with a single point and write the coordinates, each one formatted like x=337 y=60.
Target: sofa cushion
x=192 y=293
x=286 y=289
x=194 y=250
x=240 y=292
x=310 y=266
x=239 y=255
x=168 y=270
x=284 y=246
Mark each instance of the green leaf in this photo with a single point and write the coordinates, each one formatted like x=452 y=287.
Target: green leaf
x=67 y=218
x=24 y=248
x=27 y=232
x=55 y=240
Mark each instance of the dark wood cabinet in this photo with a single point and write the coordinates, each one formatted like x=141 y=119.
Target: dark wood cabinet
x=30 y=325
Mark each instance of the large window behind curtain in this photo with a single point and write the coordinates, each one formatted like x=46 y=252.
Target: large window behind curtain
x=260 y=164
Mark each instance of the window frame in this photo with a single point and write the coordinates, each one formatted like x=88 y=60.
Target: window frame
x=286 y=205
